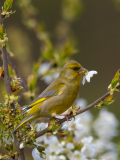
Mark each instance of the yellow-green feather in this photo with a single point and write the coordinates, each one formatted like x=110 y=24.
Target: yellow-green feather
x=36 y=102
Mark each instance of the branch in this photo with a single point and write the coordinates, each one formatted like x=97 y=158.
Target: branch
x=40 y=133
x=8 y=87
x=5 y=63
x=6 y=73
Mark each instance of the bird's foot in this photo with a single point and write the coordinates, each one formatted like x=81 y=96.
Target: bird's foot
x=65 y=115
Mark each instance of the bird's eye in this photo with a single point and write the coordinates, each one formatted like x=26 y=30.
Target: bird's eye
x=76 y=68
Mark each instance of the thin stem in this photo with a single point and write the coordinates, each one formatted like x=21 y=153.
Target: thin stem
x=6 y=73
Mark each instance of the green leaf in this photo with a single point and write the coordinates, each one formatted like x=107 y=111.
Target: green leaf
x=11 y=71
x=32 y=80
x=1 y=31
x=109 y=98
x=36 y=66
x=116 y=79
x=53 y=127
x=108 y=103
x=99 y=105
x=9 y=99
x=3 y=36
x=7 y=5
x=48 y=52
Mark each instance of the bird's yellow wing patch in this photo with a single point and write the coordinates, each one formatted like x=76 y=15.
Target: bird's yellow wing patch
x=37 y=101
x=49 y=92
x=34 y=110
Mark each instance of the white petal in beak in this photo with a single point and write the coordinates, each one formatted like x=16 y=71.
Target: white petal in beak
x=88 y=76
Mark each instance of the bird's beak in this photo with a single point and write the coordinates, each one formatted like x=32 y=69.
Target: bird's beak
x=82 y=70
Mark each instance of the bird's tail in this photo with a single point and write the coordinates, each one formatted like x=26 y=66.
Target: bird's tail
x=25 y=119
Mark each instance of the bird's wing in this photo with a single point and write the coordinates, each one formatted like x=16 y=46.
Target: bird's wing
x=51 y=91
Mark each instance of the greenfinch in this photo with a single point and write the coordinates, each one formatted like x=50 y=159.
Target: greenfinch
x=58 y=96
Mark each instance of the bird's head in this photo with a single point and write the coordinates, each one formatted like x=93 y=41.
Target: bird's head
x=72 y=70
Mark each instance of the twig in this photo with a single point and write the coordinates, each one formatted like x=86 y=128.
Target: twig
x=21 y=155
x=11 y=62
x=8 y=87
x=6 y=73
x=40 y=133
x=5 y=65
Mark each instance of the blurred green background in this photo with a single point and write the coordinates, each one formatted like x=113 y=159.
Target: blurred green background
x=96 y=30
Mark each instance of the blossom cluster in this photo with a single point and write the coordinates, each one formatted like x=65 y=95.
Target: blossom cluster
x=83 y=138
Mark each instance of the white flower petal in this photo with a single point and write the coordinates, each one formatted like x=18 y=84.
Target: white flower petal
x=70 y=145
x=21 y=145
x=88 y=150
x=84 y=79
x=87 y=139
x=8 y=140
x=77 y=156
x=61 y=157
x=39 y=140
x=40 y=126
x=88 y=76
x=101 y=146
x=44 y=67
x=81 y=102
x=106 y=119
x=91 y=73
x=109 y=156
x=63 y=143
x=64 y=128
x=36 y=154
x=50 y=77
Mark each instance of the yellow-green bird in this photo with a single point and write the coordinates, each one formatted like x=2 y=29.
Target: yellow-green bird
x=58 y=96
